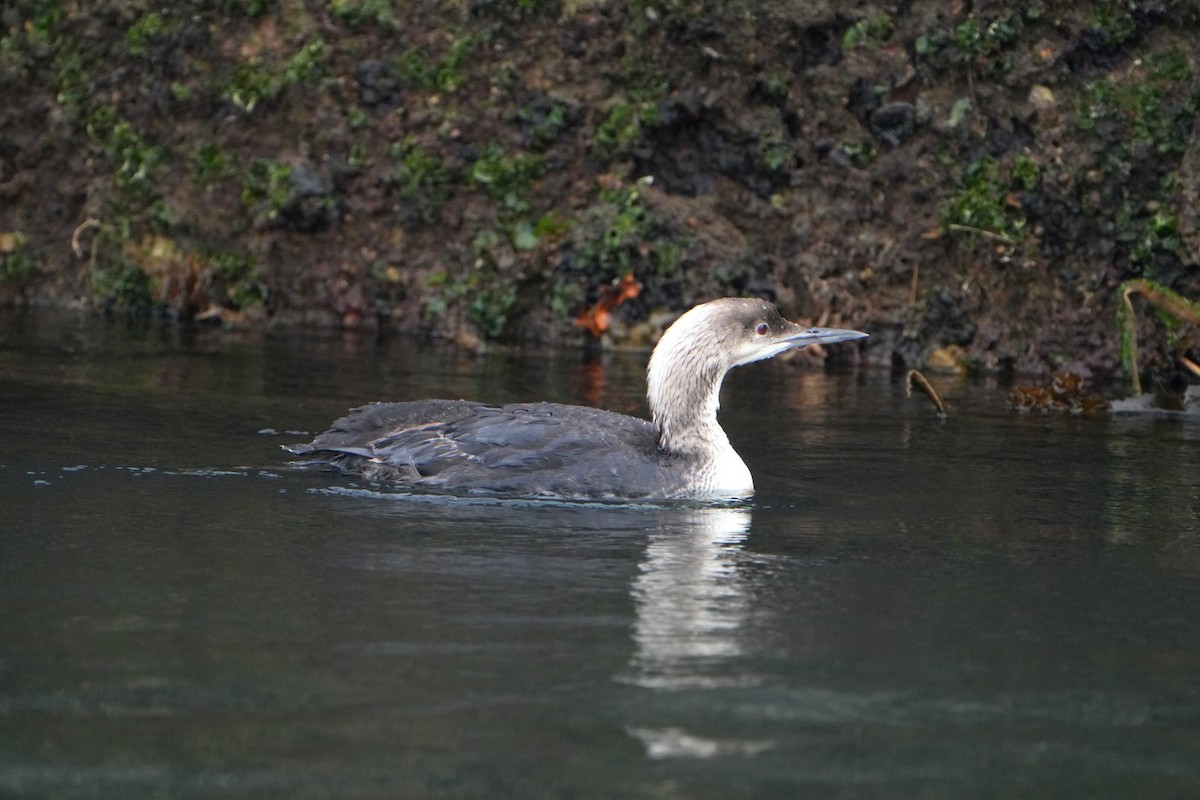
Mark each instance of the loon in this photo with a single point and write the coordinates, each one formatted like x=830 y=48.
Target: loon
x=553 y=451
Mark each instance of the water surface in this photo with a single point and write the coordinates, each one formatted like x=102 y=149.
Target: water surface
x=999 y=606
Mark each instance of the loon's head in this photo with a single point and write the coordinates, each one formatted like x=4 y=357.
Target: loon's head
x=683 y=380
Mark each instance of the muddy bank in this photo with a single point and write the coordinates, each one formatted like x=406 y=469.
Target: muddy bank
x=969 y=183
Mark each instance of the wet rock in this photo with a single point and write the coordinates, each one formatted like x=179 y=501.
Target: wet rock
x=946 y=320
x=695 y=141
x=377 y=86
x=313 y=204
x=1186 y=405
x=862 y=100
x=1041 y=98
x=1001 y=138
x=948 y=360
x=894 y=123
x=816 y=45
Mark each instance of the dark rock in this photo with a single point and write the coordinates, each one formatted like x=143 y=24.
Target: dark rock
x=862 y=100
x=946 y=320
x=377 y=86
x=894 y=123
x=313 y=204
x=695 y=141
x=817 y=45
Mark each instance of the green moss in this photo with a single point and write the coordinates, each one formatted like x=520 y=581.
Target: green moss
x=445 y=74
x=251 y=84
x=981 y=42
x=1159 y=234
x=980 y=38
x=358 y=12
x=623 y=127
x=870 y=29
x=238 y=280
x=357 y=119
x=159 y=216
x=17 y=267
x=1141 y=120
x=1112 y=22
x=492 y=296
x=267 y=188
x=1025 y=173
x=121 y=286
x=211 y=165
x=306 y=63
x=1154 y=227
x=544 y=128
x=74 y=85
x=774 y=87
x=551 y=226
x=1148 y=112
x=982 y=204
x=134 y=157
x=44 y=22
x=141 y=34
x=491 y=307
x=359 y=157
x=258 y=81
x=491 y=290
x=420 y=178
x=860 y=152
x=774 y=155
x=506 y=177
x=620 y=235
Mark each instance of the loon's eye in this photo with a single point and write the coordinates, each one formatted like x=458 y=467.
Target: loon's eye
x=762 y=329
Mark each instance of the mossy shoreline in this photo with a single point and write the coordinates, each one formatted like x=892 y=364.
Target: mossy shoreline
x=972 y=180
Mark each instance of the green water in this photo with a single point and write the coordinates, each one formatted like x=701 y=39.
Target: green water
x=999 y=606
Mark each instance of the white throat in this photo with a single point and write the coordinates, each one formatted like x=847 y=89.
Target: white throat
x=727 y=475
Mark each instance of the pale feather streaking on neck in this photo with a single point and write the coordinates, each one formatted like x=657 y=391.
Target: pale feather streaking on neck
x=573 y=452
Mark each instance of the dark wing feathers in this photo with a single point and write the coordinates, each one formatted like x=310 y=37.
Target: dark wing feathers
x=363 y=424
x=526 y=449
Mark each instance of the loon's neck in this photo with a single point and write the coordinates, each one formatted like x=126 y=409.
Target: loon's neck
x=683 y=404
x=683 y=390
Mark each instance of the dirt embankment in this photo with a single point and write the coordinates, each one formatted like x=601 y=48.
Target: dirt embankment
x=969 y=183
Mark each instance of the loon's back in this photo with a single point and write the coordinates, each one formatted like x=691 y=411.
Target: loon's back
x=524 y=449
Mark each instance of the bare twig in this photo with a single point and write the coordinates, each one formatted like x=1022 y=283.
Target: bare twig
x=919 y=381
x=90 y=222
x=999 y=237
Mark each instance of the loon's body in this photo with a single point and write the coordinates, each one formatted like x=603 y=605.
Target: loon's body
x=574 y=452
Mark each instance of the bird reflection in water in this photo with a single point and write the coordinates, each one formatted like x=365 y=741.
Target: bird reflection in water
x=691 y=603
x=692 y=599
